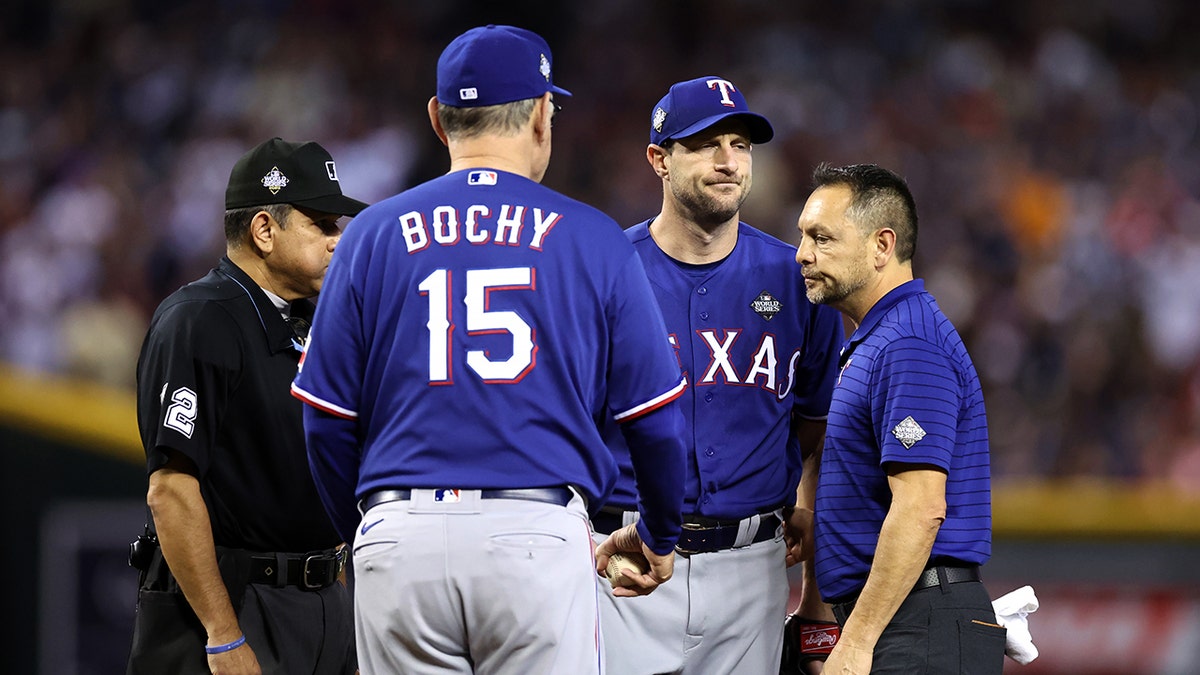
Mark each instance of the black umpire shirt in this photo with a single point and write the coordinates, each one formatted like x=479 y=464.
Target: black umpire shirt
x=213 y=383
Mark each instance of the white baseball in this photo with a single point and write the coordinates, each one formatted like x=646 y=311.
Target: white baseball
x=634 y=562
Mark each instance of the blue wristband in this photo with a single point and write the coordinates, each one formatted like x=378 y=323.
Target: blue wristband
x=221 y=649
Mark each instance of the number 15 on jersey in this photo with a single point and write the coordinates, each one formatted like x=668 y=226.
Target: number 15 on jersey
x=480 y=320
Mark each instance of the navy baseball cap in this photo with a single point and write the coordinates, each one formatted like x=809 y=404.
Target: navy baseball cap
x=490 y=65
x=695 y=105
x=279 y=172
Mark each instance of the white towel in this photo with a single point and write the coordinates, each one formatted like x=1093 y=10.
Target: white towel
x=1011 y=612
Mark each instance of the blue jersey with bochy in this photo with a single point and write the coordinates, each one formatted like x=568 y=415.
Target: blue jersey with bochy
x=754 y=351
x=478 y=327
x=907 y=393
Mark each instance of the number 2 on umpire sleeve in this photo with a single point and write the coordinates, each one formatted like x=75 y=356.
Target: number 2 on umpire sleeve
x=480 y=320
x=181 y=414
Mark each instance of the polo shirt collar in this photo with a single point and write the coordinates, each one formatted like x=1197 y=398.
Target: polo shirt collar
x=877 y=312
x=279 y=334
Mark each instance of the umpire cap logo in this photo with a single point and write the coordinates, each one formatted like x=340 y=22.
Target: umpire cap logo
x=766 y=305
x=275 y=180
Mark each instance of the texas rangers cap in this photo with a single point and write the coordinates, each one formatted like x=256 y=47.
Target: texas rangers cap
x=695 y=105
x=279 y=172
x=490 y=65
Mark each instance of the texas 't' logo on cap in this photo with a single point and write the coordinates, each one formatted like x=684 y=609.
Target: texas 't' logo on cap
x=695 y=105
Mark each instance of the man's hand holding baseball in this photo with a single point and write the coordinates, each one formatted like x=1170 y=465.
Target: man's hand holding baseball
x=627 y=540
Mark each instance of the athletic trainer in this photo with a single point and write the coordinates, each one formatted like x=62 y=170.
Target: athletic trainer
x=472 y=332
x=903 y=519
x=759 y=360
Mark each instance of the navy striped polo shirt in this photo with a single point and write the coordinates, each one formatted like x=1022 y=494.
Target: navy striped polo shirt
x=907 y=392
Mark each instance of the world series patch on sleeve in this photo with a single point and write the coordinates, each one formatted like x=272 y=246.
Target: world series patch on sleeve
x=806 y=640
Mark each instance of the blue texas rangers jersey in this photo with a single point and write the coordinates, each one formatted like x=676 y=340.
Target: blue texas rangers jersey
x=478 y=327
x=908 y=393
x=753 y=350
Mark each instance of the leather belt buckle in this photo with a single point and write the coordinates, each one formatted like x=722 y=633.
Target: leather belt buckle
x=323 y=568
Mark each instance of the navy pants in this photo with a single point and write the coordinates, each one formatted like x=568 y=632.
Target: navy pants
x=291 y=630
x=949 y=629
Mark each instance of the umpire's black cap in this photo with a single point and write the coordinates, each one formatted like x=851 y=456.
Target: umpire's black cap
x=279 y=172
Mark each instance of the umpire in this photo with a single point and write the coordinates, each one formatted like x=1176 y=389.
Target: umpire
x=240 y=566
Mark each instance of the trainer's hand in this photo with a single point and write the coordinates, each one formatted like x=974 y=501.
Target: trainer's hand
x=798 y=534
x=847 y=659
x=240 y=661
x=627 y=540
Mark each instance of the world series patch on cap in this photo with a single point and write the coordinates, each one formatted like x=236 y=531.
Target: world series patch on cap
x=490 y=65
x=279 y=172
x=695 y=105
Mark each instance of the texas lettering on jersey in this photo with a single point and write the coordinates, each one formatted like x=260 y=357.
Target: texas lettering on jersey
x=512 y=225
x=759 y=367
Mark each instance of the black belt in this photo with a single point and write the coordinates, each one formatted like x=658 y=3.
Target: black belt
x=930 y=577
x=558 y=496
x=310 y=571
x=953 y=575
x=699 y=535
x=708 y=535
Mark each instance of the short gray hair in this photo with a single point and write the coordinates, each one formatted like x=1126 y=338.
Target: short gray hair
x=237 y=221
x=504 y=119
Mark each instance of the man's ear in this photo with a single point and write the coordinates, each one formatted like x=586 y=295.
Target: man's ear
x=543 y=113
x=885 y=246
x=657 y=156
x=262 y=233
x=436 y=123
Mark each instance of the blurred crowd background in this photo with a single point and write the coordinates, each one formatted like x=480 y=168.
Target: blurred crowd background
x=1052 y=148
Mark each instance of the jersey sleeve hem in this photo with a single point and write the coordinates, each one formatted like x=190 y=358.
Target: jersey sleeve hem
x=653 y=404
x=323 y=405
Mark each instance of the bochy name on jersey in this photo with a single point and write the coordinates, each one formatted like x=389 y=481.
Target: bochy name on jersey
x=479 y=225
x=483 y=291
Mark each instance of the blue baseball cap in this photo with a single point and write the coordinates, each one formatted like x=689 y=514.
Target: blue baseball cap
x=490 y=65
x=695 y=105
